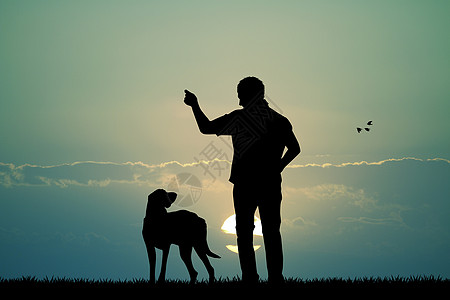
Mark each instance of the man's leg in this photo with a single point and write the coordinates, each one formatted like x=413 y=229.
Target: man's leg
x=270 y=213
x=245 y=207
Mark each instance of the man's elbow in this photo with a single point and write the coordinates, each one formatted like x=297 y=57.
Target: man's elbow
x=295 y=150
x=205 y=128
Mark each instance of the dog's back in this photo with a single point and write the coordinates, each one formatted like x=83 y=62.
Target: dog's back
x=180 y=227
x=177 y=227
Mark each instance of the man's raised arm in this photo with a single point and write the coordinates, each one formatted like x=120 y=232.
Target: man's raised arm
x=204 y=124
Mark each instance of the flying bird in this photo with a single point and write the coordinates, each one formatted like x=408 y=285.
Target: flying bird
x=358 y=129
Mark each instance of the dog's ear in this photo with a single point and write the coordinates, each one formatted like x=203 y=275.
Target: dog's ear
x=172 y=196
x=169 y=199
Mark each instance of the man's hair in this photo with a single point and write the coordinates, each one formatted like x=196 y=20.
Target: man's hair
x=251 y=86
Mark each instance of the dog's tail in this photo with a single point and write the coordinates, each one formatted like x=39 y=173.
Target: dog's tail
x=210 y=253
x=204 y=242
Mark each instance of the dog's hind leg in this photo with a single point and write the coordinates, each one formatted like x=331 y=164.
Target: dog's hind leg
x=186 y=253
x=202 y=254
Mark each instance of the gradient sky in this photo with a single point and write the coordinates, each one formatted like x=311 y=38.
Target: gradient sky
x=91 y=104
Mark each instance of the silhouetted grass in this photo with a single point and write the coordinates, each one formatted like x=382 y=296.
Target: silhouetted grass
x=221 y=283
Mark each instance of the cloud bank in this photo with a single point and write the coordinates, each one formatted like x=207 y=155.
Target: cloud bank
x=102 y=174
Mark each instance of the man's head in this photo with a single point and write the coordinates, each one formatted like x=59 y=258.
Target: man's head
x=250 y=89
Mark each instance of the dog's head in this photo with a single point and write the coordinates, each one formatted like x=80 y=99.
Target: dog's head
x=159 y=200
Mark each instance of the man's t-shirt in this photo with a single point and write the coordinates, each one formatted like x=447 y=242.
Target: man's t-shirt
x=259 y=136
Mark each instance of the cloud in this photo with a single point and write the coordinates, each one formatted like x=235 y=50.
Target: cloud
x=89 y=173
x=335 y=193
x=103 y=174
x=328 y=203
x=367 y=220
x=365 y=163
x=299 y=221
x=63 y=183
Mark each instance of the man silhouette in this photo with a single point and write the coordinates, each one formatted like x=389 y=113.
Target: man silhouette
x=259 y=135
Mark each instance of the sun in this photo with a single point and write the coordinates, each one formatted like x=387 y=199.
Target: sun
x=234 y=248
x=229 y=227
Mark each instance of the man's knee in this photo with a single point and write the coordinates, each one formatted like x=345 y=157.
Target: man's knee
x=271 y=229
x=244 y=229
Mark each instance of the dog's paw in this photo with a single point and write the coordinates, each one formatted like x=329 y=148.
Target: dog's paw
x=194 y=277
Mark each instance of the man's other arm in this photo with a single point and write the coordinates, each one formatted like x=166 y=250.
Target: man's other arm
x=293 y=149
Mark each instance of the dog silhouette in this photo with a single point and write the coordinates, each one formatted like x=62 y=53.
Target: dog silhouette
x=183 y=228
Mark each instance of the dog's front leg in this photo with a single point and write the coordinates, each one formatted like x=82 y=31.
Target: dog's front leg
x=152 y=261
x=165 y=255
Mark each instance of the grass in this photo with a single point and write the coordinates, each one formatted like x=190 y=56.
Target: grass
x=324 y=283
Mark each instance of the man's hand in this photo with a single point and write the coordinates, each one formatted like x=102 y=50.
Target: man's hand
x=189 y=98
x=202 y=120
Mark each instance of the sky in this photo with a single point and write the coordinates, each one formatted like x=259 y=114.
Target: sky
x=92 y=120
